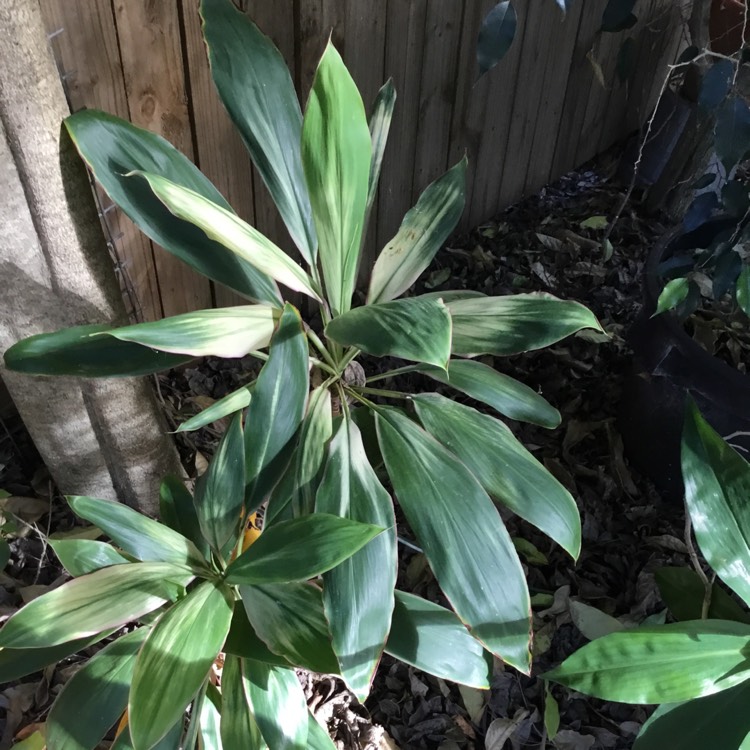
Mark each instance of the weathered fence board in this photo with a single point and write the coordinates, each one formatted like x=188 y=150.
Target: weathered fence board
x=540 y=112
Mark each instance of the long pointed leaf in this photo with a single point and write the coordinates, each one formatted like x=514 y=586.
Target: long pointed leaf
x=665 y=664
x=358 y=594
x=421 y=234
x=503 y=467
x=336 y=155
x=231 y=403
x=239 y=728
x=177 y=510
x=516 y=323
x=462 y=535
x=412 y=328
x=82 y=556
x=717 y=487
x=105 y=599
x=380 y=125
x=221 y=332
x=226 y=228
x=175 y=660
x=254 y=83
x=87 y=351
x=112 y=148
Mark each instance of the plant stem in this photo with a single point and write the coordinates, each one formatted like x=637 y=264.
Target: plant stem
x=259 y=355
x=393 y=373
x=323 y=366
x=343 y=399
x=347 y=358
x=320 y=346
x=707 y=584
x=381 y=392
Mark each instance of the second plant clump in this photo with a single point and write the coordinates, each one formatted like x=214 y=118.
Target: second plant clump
x=311 y=444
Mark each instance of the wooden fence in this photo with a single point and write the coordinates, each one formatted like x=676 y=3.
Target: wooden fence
x=551 y=104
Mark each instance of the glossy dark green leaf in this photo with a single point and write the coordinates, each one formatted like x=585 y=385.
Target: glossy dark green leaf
x=732 y=134
x=279 y=705
x=231 y=403
x=238 y=726
x=275 y=556
x=170 y=741
x=505 y=469
x=289 y=618
x=113 y=148
x=743 y=289
x=717 y=485
x=336 y=156
x=209 y=728
x=175 y=660
x=380 y=125
x=244 y=642
x=412 y=328
x=496 y=35
x=225 y=227
x=683 y=592
x=136 y=534
x=618 y=15
x=99 y=601
x=432 y=638
x=277 y=408
x=358 y=593
x=220 y=491
x=664 y=664
x=516 y=323
x=82 y=556
x=719 y=721
x=673 y=294
x=95 y=697
x=462 y=535
x=423 y=231
x=87 y=351
x=716 y=83
x=177 y=510
x=506 y=395
x=255 y=86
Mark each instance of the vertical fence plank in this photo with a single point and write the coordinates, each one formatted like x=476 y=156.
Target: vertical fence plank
x=85 y=44
x=150 y=46
x=219 y=151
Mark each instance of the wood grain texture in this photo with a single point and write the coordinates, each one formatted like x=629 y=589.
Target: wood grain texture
x=85 y=46
x=152 y=63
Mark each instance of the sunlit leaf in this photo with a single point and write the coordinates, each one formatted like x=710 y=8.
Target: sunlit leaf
x=82 y=556
x=231 y=403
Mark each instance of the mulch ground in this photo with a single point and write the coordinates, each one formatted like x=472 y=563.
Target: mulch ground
x=550 y=242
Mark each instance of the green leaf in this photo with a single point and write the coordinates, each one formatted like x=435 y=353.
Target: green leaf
x=380 y=125
x=177 y=510
x=717 y=485
x=422 y=233
x=516 y=323
x=87 y=351
x=732 y=134
x=433 y=639
x=231 y=403
x=551 y=713
x=238 y=726
x=358 y=593
x=277 y=408
x=673 y=294
x=336 y=156
x=222 y=332
x=664 y=664
x=412 y=328
x=219 y=493
x=226 y=228
x=170 y=741
x=716 y=721
x=112 y=148
x=317 y=737
x=279 y=705
x=82 y=556
x=105 y=599
x=243 y=641
x=257 y=90
x=682 y=591
x=275 y=556
x=595 y=222
x=743 y=289
x=496 y=36
x=592 y=622
x=19 y=662
x=505 y=469
x=289 y=619
x=95 y=697
x=136 y=534
x=462 y=535
x=504 y=394
x=175 y=660
x=209 y=726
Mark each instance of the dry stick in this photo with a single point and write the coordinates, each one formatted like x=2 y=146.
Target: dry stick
x=707 y=584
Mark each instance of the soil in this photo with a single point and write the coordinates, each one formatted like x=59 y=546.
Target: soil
x=551 y=242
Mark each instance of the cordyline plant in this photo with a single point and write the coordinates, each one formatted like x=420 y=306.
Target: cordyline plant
x=300 y=455
x=699 y=669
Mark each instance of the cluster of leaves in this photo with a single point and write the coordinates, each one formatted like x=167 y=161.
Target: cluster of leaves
x=308 y=444
x=697 y=668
